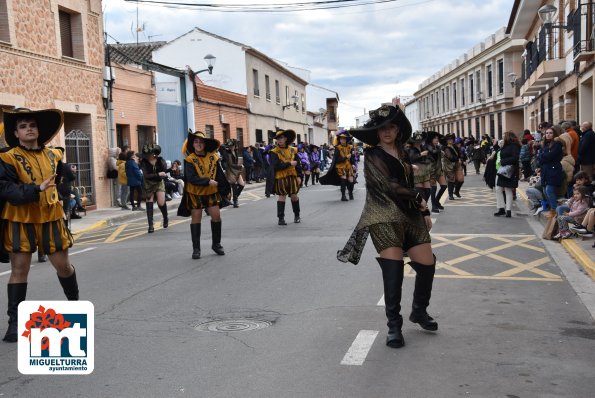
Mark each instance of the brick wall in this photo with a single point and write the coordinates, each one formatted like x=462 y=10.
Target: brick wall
x=221 y=109
x=134 y=101
x=39 y=77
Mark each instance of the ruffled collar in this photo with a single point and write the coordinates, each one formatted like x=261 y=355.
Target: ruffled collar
x=41 y=148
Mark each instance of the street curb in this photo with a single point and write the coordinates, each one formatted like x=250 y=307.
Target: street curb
x=577 y=252
x=109 y=221
x=580 y=256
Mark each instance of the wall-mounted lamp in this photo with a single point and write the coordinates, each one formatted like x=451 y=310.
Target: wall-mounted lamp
x=295 y=99
x=547 y=14
x=210 y=61
x=513 y=80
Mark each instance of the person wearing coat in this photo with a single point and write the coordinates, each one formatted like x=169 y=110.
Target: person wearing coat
x=122 y=180
x=586 y=149
x=507 y=157
x=134 y=178
x=552 y=173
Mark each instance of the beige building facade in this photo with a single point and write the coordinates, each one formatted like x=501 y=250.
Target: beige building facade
x=473 y=96
x=558 y=60
x=51 y=56
x=276 y=99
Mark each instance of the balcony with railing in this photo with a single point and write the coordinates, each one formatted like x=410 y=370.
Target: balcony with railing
x=582 y=21
x=542 y=64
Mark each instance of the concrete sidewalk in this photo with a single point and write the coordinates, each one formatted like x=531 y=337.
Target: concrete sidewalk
x=579 y=248
x=100 y=218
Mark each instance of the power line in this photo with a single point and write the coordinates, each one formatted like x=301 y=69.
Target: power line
x=264 y=8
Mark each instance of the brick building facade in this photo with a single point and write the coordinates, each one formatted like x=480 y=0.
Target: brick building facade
x=51 y=56
x=221 y=114
x=135 y=107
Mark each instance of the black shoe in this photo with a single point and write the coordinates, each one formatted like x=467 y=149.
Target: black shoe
x=282 y=221
x=458 y=195
x=439 y=206
x=435 y=210
x=451 y=198
x=350 y=195
x=218 y=249
x=424 y=320
x=500 y=212
x=508 y=214
x=394 y=338
x=344 y=198
x=41 y=258
x=151 y=230
x=195 y=254
x=75 y=216
x=297 y=220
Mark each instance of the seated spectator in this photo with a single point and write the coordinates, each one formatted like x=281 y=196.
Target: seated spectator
x=71 y=201
x=175 y=174
x=578 y=206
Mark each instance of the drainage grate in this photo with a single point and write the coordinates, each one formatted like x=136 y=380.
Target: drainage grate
x=232 y=325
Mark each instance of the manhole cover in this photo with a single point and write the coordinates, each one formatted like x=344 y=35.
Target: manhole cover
x=232 y=325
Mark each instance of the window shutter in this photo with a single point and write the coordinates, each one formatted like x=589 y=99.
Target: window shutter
x=66 y=34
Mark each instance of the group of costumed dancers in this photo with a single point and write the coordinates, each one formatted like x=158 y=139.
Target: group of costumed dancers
x=402 y=172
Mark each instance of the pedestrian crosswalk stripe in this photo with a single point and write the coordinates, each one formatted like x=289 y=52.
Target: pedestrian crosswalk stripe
x=357 y=353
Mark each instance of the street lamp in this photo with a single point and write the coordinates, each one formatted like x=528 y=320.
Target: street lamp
x=294 y=104
x=512 y=78
x=210 y=60
x=547 y=14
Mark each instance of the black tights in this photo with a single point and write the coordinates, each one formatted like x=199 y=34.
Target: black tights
x=139 y=195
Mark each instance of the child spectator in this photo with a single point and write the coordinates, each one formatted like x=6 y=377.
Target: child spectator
x=578 y=205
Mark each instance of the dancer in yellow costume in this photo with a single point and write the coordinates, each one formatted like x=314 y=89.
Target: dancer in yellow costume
x=206 y=188
x=283 y=178
x=344 y=163
x=37 y=225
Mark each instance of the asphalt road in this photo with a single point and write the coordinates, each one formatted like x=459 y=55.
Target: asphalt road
x=279 y=316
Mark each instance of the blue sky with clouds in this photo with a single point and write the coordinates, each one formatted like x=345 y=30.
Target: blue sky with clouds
x=367 y=54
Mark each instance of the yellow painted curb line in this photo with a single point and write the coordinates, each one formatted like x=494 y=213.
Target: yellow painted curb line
x=97 y=225
x=580 y=256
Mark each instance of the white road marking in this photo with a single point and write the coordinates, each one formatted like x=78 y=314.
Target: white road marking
x=88 y=249
x=359 y=349
x=381 y=302
x=70 y=254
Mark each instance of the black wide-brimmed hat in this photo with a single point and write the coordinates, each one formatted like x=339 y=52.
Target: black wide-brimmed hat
x=151 y=149
x=418 y=136
x=211 y=144
x=290 y=134
x=49 y=122
x=383 y=116
x=430 y=135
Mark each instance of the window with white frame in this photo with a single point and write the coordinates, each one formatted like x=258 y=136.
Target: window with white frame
x=255 y=82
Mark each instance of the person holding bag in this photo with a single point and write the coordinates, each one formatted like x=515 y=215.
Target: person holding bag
x=507 y=177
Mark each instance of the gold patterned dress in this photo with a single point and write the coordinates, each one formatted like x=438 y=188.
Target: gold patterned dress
x=27 y=227
x=391 y=213
x=285 y=175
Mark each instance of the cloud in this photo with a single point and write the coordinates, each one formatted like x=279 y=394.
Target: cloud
x=367 y=54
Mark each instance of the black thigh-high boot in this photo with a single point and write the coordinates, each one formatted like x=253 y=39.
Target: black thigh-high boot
x=236 y=194
x=17 y=292
x=439 y=196
x=313 y=178
x=343 y=186
x=281 y=212
x=427 y=194
x=216 y=231
x=195 y=233
x=295 y=206
x=392 y=277
x=150 y=216
x=70 y=286
x=350 y=189
x=163 y=209
x=433 y=199
x=422 y=294
x=451 y=188
x=318 y=177
x=458 y=186
x=307 y=179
